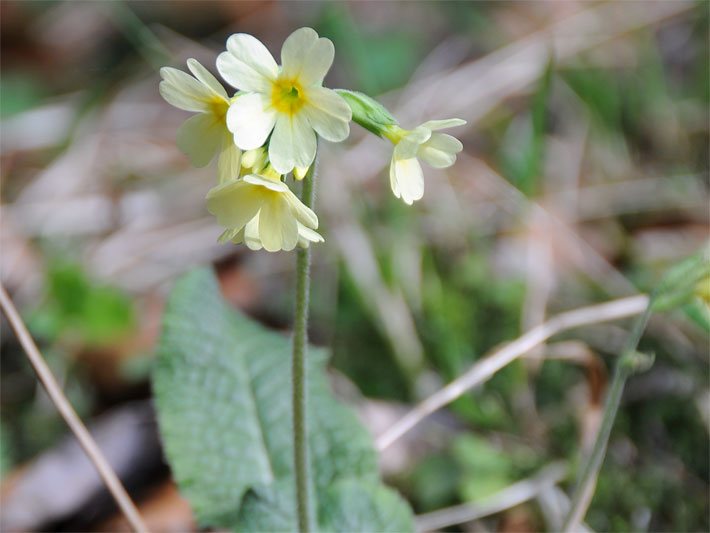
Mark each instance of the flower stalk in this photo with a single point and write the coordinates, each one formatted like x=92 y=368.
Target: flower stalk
x=677 y=287
x=270 y=127
x=298 y=368
x=630 y=362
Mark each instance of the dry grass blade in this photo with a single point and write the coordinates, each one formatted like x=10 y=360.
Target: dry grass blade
x=506 y=498
x=513 y=68
x=489 y=365
x=72 y=419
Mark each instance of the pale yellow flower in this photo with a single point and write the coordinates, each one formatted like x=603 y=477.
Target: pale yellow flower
x=249 y=235
x=289 y=101
x=702 y=290
x=255 y=161
x=265 y=211
x=436 y=149
x=206 y=134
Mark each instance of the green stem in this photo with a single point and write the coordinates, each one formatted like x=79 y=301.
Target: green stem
x=298 y=368
x=629 y=363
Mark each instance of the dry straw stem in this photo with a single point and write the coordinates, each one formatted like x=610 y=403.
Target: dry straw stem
x=489 y=365
x=506 y=498
x=72 y=419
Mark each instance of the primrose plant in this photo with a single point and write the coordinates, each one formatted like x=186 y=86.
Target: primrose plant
x=255 y=439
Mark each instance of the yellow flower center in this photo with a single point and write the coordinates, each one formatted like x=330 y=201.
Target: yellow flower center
x=287 y=96
x=218 y=107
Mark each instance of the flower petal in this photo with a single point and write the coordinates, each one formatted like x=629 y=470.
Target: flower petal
x=328 y=113
x=303 y=213
x=261 y=181
x=442 y=124
x=306 y=57
x=255 y=160
x=293 y=143
x=229 y=162
x=409 y=145
x=250 y=120
x=206 y=77
x=278 y=229
x=251 y=234
x=300 y=172
x=235 y=203
x=233 y=235
x=199 y=137
x=183 y=91
x=440 y=150
x=394 y=185
x=407 y=179
x=247 y=64
x=307 y=236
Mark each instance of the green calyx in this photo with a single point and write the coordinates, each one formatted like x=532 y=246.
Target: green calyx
x=369 y=113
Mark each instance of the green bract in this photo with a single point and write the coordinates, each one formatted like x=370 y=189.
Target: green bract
x=367 y=112
x=680 y=284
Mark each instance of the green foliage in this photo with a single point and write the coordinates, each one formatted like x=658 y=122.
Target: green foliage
x=698 y=312
x=353 y=505
x=523 y=150
x=6 y=452
x=600 y=90
x=19 y=92
x=681 y=283
x=375 y=370
x=485 y=469
x=624 y=499
x=222 y=388
x=459 y=292
x=434 y=483
x=377 y=61
x=633 y=107
x=77 y=307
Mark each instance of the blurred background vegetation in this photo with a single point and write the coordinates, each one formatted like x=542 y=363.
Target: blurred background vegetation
x=584 y=175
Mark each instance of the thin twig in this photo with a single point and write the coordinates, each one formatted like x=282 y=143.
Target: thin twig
x=72 y=419
x=489 y=365
x=506 y=498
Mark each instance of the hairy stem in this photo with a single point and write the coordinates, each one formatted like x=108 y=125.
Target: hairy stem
x=298 y=368
x=629 y=363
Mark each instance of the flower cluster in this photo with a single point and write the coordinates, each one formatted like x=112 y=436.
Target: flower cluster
x=269 y=129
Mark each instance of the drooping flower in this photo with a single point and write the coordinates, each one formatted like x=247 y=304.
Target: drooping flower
x=262 y=211
x=289 y=100
x=204 y=135
x=249 y=235
x=436 y=149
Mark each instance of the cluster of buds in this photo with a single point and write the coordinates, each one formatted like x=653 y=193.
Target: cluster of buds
x=269 y=129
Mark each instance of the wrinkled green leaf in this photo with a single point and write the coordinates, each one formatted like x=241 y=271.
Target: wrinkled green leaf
x=223 y=393
x=357 y=506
